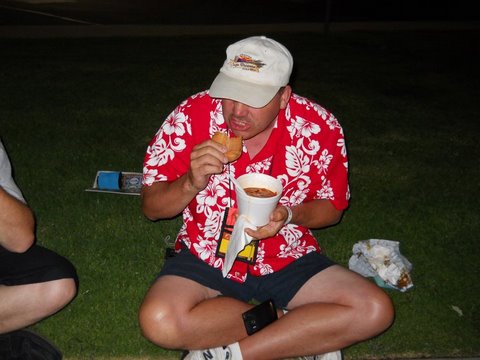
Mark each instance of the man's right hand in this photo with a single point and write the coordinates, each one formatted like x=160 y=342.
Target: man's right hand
x=164 y=199
x=206 y=159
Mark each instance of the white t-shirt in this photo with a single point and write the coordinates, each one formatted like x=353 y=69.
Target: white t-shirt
x=6 y=180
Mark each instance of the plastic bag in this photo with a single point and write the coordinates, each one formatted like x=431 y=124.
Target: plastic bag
x=382 y=260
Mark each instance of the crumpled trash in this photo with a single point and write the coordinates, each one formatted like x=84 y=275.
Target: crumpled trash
x=382 y=260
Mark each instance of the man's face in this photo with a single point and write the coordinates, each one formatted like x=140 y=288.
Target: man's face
x=247 y=121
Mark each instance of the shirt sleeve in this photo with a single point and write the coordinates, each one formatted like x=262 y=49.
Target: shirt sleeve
x=6 y=180
x=334 y=182
x=167 y=156
x=323 y=136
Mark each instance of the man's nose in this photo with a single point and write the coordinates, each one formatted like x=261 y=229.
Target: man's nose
x=239 y=108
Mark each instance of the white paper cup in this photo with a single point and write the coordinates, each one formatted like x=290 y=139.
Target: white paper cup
x=257 y=209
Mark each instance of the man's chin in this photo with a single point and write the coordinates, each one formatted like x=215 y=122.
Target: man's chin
x=244 y=134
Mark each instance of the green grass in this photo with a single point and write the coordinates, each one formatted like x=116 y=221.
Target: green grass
x=408 y=105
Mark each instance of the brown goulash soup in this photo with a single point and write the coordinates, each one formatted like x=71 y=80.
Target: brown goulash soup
x=260 y=192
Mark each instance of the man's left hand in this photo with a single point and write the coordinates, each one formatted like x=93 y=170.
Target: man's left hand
x=277 y=220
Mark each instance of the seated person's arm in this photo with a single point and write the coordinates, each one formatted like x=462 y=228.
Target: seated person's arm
x=17 y=224
x=163 y=200
x=312 y=214
x=316 y=214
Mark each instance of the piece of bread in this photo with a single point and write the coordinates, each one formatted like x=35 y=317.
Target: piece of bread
x=233 y=144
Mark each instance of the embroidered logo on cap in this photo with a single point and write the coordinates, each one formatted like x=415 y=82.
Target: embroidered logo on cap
x=246 y=62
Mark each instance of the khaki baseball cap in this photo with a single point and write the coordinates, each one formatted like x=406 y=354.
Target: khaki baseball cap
x=255 y=69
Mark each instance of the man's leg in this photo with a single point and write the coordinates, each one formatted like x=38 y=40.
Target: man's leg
x=33 y=285
x=334 y=309
x=179 y=313
x=24 y=305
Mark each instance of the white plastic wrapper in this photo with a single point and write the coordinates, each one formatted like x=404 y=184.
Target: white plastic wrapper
x=381 y=259
x=238 y=241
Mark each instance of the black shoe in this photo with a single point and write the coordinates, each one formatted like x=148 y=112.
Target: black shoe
x=26 y=345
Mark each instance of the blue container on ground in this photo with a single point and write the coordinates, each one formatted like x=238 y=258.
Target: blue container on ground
x=109 y=180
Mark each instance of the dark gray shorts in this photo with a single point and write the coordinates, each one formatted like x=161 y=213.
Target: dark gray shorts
x=36 y=265
x=281 y=286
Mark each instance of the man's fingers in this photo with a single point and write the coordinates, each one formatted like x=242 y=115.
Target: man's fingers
x=209 y=148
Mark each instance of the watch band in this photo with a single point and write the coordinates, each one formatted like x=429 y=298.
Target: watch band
x=289 y=215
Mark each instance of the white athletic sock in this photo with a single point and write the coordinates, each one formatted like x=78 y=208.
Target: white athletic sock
x=236 y=352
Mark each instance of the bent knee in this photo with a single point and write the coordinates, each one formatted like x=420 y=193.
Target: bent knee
x=60 y=292
x=160 y=326
x=378 y=312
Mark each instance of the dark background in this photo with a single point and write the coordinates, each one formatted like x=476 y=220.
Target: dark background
x=197 y=12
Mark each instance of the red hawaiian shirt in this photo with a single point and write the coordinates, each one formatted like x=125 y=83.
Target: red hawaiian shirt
x=306 y=151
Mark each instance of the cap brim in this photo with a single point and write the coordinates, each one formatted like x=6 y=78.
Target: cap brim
x=257 y=96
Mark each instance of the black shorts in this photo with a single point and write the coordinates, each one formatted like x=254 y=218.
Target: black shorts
x=280 y=286
x=36 y=265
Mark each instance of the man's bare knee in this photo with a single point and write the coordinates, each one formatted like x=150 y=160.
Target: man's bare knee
x=383 y=312
x=160 y=326
x=58 y=293
x=377 y=314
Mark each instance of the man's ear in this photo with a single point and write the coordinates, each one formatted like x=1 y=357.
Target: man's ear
x=287 y=92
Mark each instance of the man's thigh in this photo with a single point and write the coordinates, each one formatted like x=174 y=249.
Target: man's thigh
x=335 y=284
x=181 y=293
x=184 y=264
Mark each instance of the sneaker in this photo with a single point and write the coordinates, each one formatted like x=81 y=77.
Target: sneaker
x=24 y=344
x=220 y=353
x=334 y=355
